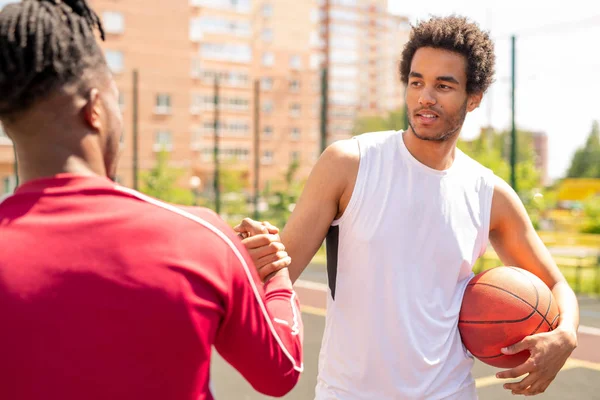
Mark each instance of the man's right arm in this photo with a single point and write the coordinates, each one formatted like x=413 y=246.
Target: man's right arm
x=324 y=199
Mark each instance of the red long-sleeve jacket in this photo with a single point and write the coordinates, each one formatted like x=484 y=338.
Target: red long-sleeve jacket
x=108 y=294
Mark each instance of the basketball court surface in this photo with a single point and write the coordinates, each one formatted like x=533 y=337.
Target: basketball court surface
x=579 y=379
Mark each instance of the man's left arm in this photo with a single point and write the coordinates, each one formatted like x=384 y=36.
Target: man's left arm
x=517 y=244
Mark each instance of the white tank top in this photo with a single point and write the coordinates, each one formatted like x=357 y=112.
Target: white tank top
x=399 y=260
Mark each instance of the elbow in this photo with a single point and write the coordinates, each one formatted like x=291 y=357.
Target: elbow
x=278 y=386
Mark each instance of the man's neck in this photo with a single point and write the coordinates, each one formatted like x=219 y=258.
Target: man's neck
x=436 y=155
x=43 y=160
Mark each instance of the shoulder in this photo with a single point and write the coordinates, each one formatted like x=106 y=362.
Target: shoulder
x=338 y=161
x=179 y=223
x=377 y=138
x=345 y=150
x=507 y=207
x=348 y=151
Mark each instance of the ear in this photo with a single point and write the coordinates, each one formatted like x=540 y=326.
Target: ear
x=93 y=110
x=474 y=101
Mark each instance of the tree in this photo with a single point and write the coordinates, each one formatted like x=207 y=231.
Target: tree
x=161 y=182
x=586 y=160
x=282 y=201
x=393 y=121
x=592 y=214
x=489 y=150
x=233 y=182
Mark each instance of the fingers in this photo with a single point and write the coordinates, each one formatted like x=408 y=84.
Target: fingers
x=516 y=372
x=251 y=227
x=261 y=251
x=271 y=228
x=254 y=242
x=522 y=386
x=537 y=388
x=524 y=344
x=264 y=246
x=269 y=269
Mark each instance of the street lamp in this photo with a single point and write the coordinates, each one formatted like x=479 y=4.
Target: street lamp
x=195 y=183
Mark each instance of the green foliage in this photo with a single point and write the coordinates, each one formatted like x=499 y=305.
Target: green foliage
x=281 y=202
x=161 y=182
x=392 y=122
x=234 y=198
x=592 y=215
x=586 y=160
x=489 y=149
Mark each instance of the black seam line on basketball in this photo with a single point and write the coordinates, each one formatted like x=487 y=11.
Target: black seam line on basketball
x=549 y=303
x=536 y=329
x=508 y=321
x=499 y=355
x=554 y=320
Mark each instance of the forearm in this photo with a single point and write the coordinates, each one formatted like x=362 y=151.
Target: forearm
x=262 y=338
x=567 y=305
x=301 y=250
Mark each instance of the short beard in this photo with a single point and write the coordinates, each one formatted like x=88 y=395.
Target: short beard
x=455 y=127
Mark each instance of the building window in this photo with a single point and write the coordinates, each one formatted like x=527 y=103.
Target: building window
x=268 y=59
x=267 y=106
x=267 y=35
x=196 y=71
x=267 y=10
x=196 y=142
x=113 y=22
x=267 y=157
x=295 y=134
x=231 y=52
x=163 y=141
x=114 y=59
x=217 y=25
x=295 y=62
x=266 y=83
x=294 y=85
x=295 y=156
x=268 y=132
x=240 y=6
x=295 y=110
x=163 y=104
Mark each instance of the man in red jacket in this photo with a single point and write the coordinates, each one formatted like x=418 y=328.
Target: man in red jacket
x=107 y=293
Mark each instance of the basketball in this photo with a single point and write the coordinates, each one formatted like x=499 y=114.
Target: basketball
x=502 y=306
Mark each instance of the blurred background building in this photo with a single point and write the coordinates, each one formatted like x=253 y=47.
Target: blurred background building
x=173 y=60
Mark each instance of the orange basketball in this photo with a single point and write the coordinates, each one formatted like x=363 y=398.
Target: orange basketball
x=501 y=306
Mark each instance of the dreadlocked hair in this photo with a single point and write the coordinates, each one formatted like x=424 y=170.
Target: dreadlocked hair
x=45 y=44
x=459 y=35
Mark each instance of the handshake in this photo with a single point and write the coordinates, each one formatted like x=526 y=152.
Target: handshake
x=264 y=245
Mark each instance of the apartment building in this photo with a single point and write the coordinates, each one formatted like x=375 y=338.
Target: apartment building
x=151 y=38
x=179 y=50
x=363 y=44
x=7 y=172
x=287 y=65
x=7 y=160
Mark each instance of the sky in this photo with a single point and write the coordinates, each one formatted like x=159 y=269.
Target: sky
x=557 y=67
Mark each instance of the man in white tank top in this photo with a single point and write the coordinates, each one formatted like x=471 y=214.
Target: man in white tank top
x=406 y=215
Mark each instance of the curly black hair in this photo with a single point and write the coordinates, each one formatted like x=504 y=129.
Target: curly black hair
x=456 y=34
x=45 y=44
